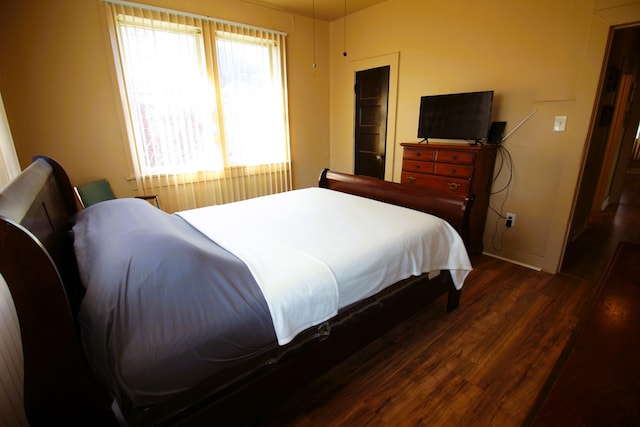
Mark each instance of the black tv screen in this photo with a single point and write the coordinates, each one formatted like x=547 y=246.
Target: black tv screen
x=456 y=116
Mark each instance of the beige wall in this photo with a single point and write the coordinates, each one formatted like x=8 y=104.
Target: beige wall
x=541 y=56
x=59 y=87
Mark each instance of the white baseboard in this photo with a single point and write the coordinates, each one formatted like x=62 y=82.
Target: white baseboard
x=532 y=267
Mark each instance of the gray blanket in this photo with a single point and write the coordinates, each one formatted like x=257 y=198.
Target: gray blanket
x=165 y=306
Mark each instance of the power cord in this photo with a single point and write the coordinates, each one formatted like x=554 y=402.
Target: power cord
x=506 y=163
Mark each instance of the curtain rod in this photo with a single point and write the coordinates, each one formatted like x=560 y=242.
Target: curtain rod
x=189 y=15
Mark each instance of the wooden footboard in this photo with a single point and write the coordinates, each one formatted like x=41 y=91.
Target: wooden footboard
x=38 y=263
x=449 y=206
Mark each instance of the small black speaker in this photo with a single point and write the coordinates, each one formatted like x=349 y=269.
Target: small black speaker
x=496 y=132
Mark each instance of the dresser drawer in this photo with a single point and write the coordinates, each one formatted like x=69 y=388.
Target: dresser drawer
x=417 y=166
x=453 y=169
x=424 y=154
x=436 y=183
x=453 y=156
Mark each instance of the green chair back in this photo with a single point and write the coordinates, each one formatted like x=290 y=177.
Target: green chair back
x=94 y=192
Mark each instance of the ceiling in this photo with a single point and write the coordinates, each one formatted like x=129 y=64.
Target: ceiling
x=326 y=10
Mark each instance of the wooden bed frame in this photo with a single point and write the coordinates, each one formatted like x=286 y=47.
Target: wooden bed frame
x=38 y=263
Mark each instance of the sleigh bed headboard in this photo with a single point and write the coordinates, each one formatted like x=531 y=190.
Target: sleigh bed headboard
x=38 y=264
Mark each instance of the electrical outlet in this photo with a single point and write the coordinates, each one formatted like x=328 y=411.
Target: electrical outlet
x=510 y=219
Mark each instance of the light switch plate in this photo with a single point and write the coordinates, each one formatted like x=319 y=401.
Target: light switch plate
x=559 y=123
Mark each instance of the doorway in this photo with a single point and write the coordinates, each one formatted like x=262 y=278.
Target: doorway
x=371 y=116
x=613 y=133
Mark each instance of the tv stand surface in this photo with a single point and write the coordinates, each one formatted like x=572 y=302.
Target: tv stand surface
x=460 y=168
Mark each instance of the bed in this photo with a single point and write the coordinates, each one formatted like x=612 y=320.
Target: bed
x=117 y=326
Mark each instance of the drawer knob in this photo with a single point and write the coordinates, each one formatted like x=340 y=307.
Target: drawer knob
x=411 y=179
x=453 y=171
x=454 y=185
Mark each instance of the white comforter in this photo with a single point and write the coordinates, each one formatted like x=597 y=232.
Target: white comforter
x=314 y=251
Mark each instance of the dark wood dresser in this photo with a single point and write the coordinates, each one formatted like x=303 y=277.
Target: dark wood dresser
x=464 y=169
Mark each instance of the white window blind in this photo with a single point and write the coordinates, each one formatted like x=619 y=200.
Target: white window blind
x=206 y=107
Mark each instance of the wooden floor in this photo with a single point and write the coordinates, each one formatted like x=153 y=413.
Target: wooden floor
x=587 y=257
x=606 y=346
x=484 y=364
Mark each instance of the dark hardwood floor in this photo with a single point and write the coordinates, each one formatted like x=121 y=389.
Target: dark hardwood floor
x=588 y=255
x=486 y=363
x=597 y=382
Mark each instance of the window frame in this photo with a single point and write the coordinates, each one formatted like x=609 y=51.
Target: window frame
x=208 y=61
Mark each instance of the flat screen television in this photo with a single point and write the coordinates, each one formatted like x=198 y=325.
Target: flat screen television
x=456 y=116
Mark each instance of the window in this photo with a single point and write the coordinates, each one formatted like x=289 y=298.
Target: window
x=250 y=94
x=172 y=105
x=202 y=96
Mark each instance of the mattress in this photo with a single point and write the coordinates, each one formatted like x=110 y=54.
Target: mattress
x=314 y=251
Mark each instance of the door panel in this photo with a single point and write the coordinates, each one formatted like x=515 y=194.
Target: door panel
x=372 y=97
